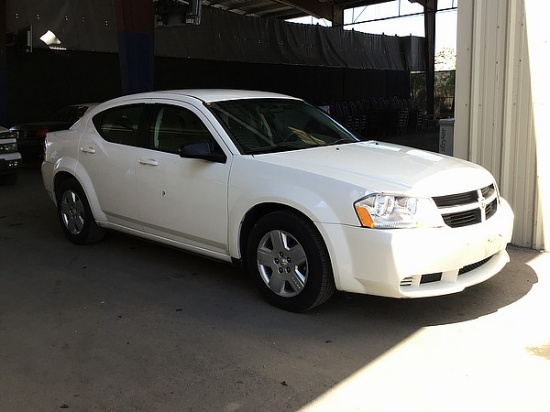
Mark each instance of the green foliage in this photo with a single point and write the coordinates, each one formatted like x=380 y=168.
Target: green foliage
x=444 y=90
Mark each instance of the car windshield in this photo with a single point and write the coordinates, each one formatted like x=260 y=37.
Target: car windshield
x=274 y=125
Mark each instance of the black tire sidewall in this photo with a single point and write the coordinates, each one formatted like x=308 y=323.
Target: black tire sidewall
x=319 y=269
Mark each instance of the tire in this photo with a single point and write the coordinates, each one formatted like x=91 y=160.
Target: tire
x=75 y=214
x=289 y=262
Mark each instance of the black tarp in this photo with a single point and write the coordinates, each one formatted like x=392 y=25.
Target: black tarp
x=90 y=25
x=316 y=63
x=230 y=37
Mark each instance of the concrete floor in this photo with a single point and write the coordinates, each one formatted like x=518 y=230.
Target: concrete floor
x=125 y=325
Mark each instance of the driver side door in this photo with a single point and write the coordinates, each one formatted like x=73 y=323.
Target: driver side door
x=183 y=200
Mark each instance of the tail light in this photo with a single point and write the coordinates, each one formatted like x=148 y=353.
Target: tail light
x=41 y=132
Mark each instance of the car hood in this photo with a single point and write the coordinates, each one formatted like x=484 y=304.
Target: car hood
x=377 y=166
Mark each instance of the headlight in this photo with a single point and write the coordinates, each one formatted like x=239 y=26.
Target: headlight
x=8 y=147
x=384 y=211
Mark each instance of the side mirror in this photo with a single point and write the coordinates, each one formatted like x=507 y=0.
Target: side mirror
x=201 y=150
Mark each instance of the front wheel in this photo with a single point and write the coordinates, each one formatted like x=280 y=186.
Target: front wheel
x=75 y=214
x=289 y=262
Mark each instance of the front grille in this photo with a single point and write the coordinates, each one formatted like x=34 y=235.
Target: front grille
x=457 y=199
x=408 y=281
x=469 y=268
x=432 y=277
x=419 y=280
x=468 y=208
x=491 y=209
x=471 y=217
x=488 y=191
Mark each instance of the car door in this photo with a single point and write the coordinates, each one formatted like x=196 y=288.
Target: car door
x=107 y=152
x=183 y=199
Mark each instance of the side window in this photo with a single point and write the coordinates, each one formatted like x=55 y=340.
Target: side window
x=120 y=124
x=173 y=126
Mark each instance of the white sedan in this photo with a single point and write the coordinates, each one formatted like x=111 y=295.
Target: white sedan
x=273 y=184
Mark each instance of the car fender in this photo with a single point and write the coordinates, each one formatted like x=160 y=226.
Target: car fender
x=336 y=233
x=257 y=187
x=73 y=167
x=89 y=190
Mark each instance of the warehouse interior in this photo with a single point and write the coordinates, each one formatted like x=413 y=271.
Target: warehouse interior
x=120 y=47
x=129 y=325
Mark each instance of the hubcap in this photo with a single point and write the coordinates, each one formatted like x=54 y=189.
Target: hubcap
x=282 y=263
x=72 y=212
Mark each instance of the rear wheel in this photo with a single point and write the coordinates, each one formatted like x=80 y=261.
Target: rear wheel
x=289 y=262
x=75 y=214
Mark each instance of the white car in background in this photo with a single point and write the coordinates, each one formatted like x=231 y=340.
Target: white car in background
x=272 y=183
x=10 y=158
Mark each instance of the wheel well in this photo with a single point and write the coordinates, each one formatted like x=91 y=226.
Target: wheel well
x=250 y=219
x=59 y=179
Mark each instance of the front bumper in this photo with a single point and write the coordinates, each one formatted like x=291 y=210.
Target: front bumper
x=411 y=263
x=10 y=162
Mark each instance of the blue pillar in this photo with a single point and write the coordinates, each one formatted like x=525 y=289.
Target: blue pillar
x=135 y=30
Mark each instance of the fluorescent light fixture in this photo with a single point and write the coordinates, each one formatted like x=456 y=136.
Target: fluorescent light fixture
x=50 y=38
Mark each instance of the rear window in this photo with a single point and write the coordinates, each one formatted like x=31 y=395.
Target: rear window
x=120 y=125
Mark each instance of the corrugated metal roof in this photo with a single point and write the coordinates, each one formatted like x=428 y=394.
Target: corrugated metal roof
x=288 y=9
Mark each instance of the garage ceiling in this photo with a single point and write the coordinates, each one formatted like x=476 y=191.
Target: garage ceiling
x=289 y=9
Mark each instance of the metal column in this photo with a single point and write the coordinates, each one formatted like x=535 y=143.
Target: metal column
x=135 y=30
x=430 y=9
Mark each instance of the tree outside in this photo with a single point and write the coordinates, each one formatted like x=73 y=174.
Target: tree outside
x=444 y=86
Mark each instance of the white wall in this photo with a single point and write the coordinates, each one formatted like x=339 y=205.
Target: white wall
x=502 y=120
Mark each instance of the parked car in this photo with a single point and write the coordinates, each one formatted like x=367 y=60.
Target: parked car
x=275 y=185
x=10 y=158
x=31 y=136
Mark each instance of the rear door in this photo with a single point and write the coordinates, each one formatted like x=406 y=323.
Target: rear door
x=108 y=152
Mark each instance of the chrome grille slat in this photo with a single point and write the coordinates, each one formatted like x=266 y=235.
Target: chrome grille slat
x=463 y=219
x=491 y=209
x=457 y=199
x=488 y=191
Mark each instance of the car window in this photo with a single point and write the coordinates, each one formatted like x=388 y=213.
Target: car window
x=120 y=124
x=174 y=126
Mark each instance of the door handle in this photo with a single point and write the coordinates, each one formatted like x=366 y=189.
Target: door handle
x=148 y=162
x=90 y=150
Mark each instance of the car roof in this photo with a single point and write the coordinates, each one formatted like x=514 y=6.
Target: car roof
x=207 y=95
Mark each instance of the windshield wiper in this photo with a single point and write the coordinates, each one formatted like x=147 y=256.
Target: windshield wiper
x=342 y=141
x=272 y=149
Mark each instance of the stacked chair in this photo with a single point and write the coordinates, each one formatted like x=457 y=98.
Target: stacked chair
x=379 y=117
